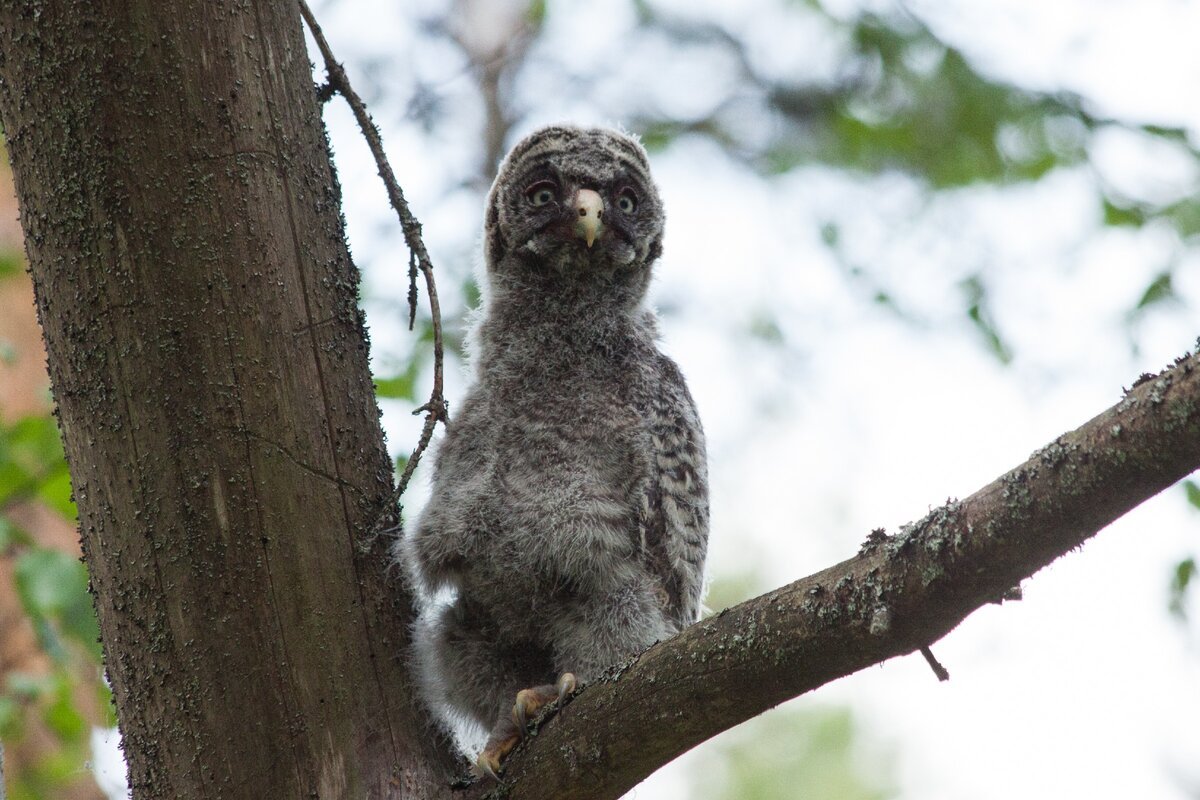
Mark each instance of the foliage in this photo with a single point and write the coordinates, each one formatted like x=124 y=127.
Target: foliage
x=1185 y=571
x=904 y=101
x=794 y=752
x=45 y=688
x=400 y=385
x=10 y=263
x=32 y=465
x=1183 y=577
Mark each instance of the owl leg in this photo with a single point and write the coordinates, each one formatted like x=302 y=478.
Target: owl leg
x=510 y=728
x=604 y=627
x=463 y=664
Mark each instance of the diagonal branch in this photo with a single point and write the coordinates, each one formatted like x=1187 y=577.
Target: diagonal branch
x=896 y=596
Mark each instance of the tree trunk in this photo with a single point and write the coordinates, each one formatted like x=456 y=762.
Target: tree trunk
x=209 y=364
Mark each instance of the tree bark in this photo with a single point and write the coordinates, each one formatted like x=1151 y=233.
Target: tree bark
x=209 y=364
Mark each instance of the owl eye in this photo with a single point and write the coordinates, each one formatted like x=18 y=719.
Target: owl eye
x=627 y=201
x=542 y=192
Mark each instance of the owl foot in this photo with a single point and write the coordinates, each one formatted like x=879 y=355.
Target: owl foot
x=510 y=729
x=531 y=701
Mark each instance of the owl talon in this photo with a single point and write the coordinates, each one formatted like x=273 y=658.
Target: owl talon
x=486 y=764
x=520 y=713
x=566 y=684
x=531 y=701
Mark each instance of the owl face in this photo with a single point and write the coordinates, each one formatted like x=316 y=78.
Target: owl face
x=575 y=203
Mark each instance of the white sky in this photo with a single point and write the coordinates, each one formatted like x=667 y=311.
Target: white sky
x=1085 y=688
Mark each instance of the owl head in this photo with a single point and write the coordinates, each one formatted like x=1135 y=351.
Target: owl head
x=574 y=206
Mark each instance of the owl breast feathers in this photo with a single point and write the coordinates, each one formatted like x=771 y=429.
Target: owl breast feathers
x=568 y=522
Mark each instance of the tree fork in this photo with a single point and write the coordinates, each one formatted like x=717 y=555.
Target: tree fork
x=209 y=363
x=899 y=594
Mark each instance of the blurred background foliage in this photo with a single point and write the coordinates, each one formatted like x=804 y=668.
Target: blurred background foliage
x=51 y=692
x=885 y=97
x=797 y=753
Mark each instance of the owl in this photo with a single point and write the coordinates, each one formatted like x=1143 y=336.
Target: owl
x=568 y=522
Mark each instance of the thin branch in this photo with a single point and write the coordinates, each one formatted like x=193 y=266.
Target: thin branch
x=941 y=672
x=895 y=597
x=435 y=408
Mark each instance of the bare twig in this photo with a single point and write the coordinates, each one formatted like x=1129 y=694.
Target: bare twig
x=435 y=409
x=942 y=673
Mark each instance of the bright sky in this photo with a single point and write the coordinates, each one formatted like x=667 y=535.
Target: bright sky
x=1086 y=688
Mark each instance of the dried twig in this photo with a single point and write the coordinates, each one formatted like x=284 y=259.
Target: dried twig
x=435 y=409
x=941 y=672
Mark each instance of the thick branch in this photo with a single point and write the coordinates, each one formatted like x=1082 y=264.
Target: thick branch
x=897 y=595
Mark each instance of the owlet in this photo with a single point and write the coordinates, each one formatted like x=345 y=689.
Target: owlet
x=568 y=523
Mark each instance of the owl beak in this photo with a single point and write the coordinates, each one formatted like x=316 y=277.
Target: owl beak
x=589 y=206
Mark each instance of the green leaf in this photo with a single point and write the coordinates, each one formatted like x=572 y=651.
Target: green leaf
x=399 y=387
x=36 y=441
x=32 y=464
x=28 y=686
x=1193 y=493
x=977 y=312
x=49 y=581
x=882 y=298
x=11 y=262
x=61 y=716
x=657 y=135
x=536 y=13
x=11 y=535
x=425 y=336
x=80 y=624
x=53 y=590
x=1160 y=289
x=1181 y=579
x=14 y=479
x=9 y=717
x=55 y=491
x=1119 y=215
x=471 y=292
x=1185 y=216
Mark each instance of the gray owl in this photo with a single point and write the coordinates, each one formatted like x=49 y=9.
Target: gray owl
x=568 y=522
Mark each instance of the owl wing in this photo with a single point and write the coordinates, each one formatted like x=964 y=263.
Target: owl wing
x=675 y=505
